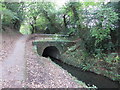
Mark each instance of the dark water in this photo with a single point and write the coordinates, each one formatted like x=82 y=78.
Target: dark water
x=88 y=77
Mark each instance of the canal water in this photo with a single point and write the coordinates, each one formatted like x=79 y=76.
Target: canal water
x=88 y=77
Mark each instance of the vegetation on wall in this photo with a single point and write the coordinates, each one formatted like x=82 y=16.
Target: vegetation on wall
x=96 y=24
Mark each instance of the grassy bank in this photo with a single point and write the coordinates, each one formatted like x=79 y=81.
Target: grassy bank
x=106 y=64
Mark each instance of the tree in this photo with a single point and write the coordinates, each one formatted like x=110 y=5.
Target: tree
x=45 y=11
x=12 y=14
x=115 y=35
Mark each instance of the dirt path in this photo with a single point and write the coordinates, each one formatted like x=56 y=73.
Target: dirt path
x=13 y=67
x=43 y=73
x=24 y=68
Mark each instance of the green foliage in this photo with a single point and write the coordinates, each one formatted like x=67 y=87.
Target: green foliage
x=41 y=23
x=107 y=18
x=12 y=16
x=95 y=27
x=73 y=11
x=25 y=29
x=6 y=12
x=40 y=15
x=112 y=58
x=95 y=23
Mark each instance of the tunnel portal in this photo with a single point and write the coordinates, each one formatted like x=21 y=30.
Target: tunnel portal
x=51 y=51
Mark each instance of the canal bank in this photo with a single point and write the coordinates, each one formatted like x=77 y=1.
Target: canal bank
x=88 y=77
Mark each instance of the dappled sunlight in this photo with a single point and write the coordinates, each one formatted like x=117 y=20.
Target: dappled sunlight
x=84 y=33
x=24 y=29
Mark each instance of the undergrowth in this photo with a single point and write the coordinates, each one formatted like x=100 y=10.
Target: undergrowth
x=105 y=64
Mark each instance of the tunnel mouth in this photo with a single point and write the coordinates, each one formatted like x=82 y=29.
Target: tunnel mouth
x=88 y=77
x=51 y=51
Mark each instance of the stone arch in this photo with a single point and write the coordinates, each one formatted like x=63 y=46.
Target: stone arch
x=51 y=51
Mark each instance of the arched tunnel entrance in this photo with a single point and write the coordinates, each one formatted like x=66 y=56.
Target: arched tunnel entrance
x=88 y=77
x=51 y=51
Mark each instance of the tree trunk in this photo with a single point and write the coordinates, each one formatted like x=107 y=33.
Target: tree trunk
x=32 y=31
x=35 y=27
x=65 y=23
x=50 y=20
x=16 y=24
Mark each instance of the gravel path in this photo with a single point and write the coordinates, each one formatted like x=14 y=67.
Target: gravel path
x=13 y=67
x=43 y=73
x=24 y=68
x=7 y=43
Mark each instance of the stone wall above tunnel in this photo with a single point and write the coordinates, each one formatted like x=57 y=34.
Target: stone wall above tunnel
x=41 y=46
